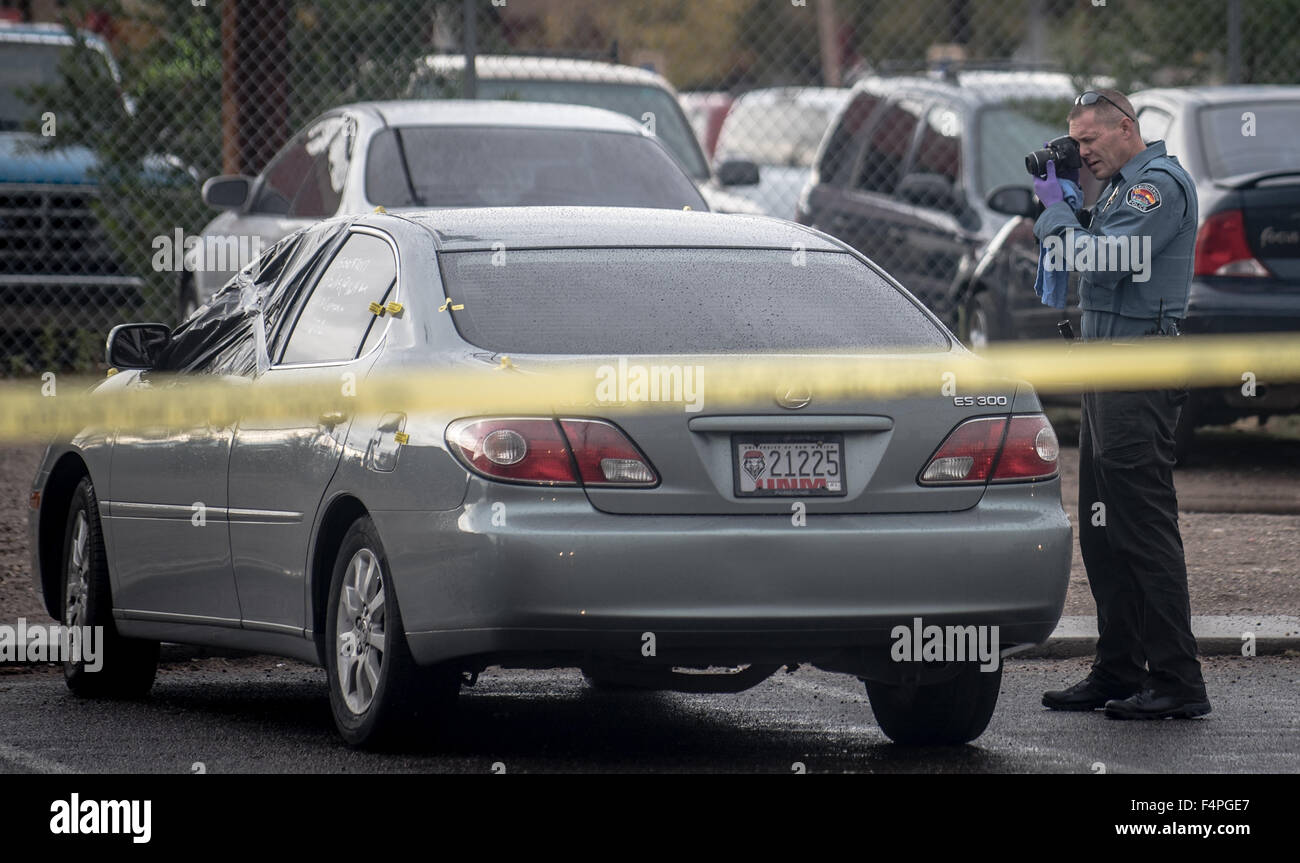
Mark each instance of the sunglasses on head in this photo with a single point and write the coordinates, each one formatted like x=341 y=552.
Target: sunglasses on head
x=1090 y=97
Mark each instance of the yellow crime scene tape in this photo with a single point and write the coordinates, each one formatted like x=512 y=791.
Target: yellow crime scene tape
x=49 y=406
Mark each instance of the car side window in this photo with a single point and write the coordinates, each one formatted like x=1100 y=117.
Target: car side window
x=1154 y=123
x=887 y=148
x=939 y=150
x=329 y=142
x=335 y=320
x=846 y=140
x=933 y=178
x=283 y=178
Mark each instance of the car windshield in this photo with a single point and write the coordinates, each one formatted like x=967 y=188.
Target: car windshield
x=774 y=133
x=1008 y=131
x=1230 y=151
x=641 y=103
x=485 y=166
x=681 y=300
x=22 y=66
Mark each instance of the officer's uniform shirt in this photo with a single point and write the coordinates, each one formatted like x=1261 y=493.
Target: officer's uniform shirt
x=1151 y=196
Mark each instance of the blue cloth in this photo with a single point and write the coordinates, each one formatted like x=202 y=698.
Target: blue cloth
x=1053 y=285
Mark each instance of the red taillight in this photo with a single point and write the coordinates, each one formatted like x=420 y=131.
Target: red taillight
x=1222 y=248
x=985 y=449
x=486 y=446
x=544 y=452
x=605 y=456
x=1030 y=450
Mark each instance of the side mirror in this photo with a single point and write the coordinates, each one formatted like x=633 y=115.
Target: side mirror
x=738 y=172
x=135 y=346
x=1013 y=201
x=930 y=190
x=227 y=192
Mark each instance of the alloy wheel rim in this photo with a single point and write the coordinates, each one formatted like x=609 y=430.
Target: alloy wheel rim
x=78 y=580
x=979 y=330
x=360 y=635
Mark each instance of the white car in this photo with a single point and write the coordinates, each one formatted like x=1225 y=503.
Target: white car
x=774 y=134
x=643 y=95
x=421 y=154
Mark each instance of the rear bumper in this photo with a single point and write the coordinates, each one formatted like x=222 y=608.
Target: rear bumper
x=1242 y=306
x=562 y=578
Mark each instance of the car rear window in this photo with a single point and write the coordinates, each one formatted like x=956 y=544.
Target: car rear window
x=456 y=166
x=642 y=102
x=1250 y=136
x=680 y=300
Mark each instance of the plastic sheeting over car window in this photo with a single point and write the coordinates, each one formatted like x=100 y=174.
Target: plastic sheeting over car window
x=229 y=335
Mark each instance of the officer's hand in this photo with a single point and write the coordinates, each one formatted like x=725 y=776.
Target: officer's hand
x=1049 y=190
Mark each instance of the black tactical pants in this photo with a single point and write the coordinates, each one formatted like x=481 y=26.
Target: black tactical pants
x=1132 y=550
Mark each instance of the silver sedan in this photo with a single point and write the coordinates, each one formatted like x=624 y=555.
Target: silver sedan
x=652 y=537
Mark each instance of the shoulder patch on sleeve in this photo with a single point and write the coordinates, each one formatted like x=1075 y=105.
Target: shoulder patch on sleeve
x=1143 y=197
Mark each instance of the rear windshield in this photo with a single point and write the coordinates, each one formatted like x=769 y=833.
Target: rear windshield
x=453 y=166
x=1235 y=145
x=642 y=103
x=680 y=300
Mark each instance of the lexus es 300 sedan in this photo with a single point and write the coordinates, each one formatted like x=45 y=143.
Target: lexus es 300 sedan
x=654 y=536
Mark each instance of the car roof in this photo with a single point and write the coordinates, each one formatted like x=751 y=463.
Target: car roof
x=975 y=87
x=1222 y=94
x=44 y=33
x=822 y=97
x=556 y=68
x=478 y=229
x=466 y=112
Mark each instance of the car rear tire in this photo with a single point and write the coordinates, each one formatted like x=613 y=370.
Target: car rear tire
x=379 y=696
x=128 y=665
x=980 y=323
x=953 y=712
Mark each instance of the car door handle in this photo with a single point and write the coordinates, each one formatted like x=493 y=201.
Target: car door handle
x=329 y=419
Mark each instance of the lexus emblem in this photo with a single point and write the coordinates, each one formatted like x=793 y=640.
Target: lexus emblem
x=794 y=397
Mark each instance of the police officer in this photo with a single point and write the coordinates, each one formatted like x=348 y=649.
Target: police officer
x=1146 y=666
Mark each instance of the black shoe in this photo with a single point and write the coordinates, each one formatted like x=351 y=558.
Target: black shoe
x=1087 y=694
x=1148 y=705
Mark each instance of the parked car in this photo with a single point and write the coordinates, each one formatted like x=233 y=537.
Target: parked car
x=643 y=95
x=403 y=550
x=705 y=111
x=774 y=134
x=438 y=154
x=903 y=175
x=59 y=271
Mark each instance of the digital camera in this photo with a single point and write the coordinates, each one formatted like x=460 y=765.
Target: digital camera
x=1063 y=150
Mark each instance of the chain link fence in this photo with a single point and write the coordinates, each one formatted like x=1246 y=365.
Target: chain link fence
x=113 y=114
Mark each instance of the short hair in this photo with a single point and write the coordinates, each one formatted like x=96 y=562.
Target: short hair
x=1106 y=112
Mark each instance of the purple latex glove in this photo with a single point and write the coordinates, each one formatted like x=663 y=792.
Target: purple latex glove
x=1049 y=190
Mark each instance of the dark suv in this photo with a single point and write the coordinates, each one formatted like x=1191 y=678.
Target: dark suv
x=903 y=175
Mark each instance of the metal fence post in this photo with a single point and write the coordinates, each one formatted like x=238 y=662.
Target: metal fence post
x=469 y=80
x=1234 y=41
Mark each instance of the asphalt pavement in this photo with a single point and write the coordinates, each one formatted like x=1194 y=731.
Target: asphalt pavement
x=256 y=714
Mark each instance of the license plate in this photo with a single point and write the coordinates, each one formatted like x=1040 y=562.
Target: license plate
x=788 y=465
